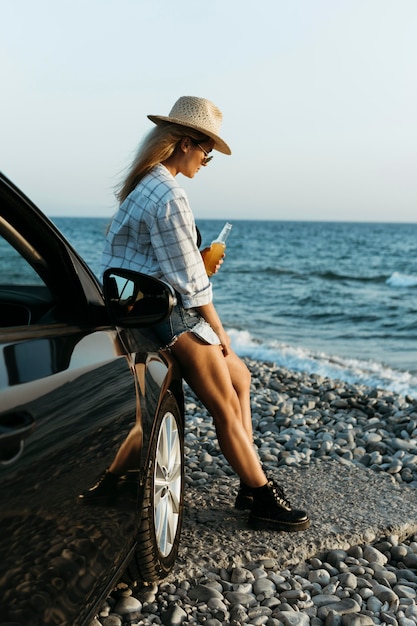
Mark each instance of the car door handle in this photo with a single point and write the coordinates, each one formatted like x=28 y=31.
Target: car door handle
x=14 y=429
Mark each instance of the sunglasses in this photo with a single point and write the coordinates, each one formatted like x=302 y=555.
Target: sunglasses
x=207 y=158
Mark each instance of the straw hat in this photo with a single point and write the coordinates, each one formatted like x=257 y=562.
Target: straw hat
x=198 y=114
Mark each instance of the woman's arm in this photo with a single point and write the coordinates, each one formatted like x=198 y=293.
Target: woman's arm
x=173 y=238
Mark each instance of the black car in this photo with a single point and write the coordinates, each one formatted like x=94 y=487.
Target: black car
x=82 y=379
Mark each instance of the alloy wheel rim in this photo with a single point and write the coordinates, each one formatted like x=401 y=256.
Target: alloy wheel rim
x=167 y=484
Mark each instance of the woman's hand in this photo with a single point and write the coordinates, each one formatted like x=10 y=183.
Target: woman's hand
x=205 y=251
x=225 y=341
x=209 y=313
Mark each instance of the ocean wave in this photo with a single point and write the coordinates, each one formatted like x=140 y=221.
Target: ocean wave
x=297 y=358
x=267 y=270
x=335 y=276
x=397 y=279
x=325 y=275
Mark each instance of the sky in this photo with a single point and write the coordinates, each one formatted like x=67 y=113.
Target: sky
x=319 y=102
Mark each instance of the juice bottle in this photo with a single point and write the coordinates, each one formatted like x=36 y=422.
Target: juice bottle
x=217 y=248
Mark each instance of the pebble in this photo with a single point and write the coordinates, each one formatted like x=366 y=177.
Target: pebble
x=127 y=605
x=297 y=418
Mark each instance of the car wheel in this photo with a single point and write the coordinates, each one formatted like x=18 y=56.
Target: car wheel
x=162 y=512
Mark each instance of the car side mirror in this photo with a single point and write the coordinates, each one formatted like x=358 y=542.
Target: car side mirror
x=134 y=300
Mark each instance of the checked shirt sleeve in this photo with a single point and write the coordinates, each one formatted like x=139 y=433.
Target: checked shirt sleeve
x=173 y=235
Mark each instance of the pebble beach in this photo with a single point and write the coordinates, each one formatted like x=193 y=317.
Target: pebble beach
x=345 y=453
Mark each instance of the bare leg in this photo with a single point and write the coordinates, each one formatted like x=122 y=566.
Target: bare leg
x=206 y=371
x=240 y=377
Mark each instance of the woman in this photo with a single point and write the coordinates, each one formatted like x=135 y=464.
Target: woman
x=154 y=232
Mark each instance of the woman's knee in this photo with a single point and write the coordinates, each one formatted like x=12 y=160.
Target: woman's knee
x=245 y=375
x=239 y=373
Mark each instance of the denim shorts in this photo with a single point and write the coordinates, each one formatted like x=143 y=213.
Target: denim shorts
x=183 y=321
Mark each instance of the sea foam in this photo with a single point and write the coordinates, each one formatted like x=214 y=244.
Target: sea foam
x=297 y=358
x=397 y=279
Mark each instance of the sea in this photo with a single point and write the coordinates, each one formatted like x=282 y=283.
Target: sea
x=331 y=298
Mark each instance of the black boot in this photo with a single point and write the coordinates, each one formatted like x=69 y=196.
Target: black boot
x=103 y=493
x=272 y=511
x=244 y=498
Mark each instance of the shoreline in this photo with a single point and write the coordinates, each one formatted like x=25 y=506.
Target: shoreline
x=348 y=455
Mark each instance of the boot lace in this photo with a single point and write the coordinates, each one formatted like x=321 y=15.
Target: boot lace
x=279 y=495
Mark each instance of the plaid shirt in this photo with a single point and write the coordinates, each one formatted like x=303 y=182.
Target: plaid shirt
x=154 y=232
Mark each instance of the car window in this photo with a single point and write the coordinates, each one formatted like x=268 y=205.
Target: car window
x=25 y=299
x=15 y=270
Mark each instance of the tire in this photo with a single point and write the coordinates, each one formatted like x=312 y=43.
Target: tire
x=163 y=497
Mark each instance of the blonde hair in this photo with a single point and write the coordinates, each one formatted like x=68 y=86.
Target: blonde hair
x=157 y=146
